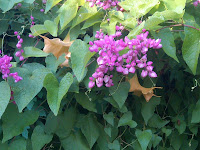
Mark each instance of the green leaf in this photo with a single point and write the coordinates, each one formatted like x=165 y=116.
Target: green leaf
x=175 y=5
x=30 y=86
x=3 y=146
x=191 y=48
x=167 y=41
x=167 y=131
x=180 y=123
x=97 y=18
x=84 y=13
x=126 y=119
x=39 y=138
x=33 y=52
x=14 y=122
x=138 y=8
x=80 y=55
x=75 y=141
x=51 y=27
x=120 y=92
x=84 y=101
x=38 y=29
x=56 y=91
x=5 y=94
x=50 y=4
x=144 y=137
x=90 y=129
x=148 y=108
x=19 y=144
x=136 y=30
x=68 y=12
x=52 y=62
x=7 y=5
x=157 y=122
x=156 y=140
x=108 y=131
x=176 y=140
x=114 y=146
x=195 y=113
x=109 y=118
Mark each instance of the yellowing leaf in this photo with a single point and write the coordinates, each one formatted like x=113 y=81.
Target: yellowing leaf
x=139 y=90
x=58 y=47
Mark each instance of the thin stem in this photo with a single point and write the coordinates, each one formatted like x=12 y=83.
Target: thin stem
x=178 y=25
x=129 y=144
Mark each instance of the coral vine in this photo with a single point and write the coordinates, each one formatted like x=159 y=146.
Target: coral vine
x=109 y=58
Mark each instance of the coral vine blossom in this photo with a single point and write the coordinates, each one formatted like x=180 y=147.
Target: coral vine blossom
x=109 y=58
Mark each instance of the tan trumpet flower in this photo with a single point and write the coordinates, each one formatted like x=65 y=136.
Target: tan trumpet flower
x=139 y=90
x=58 y=47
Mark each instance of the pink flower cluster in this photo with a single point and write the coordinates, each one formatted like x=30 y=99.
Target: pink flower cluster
x=109 y=58
x=5 y=66
x=19 y=46
x=106 y=4
x=196 y=3
x=32 y=22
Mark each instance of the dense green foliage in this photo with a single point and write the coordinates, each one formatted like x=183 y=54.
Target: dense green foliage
x=56 y=110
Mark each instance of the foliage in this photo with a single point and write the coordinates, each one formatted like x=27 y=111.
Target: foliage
x=53 y=108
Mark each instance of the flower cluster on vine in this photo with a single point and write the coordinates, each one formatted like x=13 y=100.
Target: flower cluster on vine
x=109 y=59
x=196 y=3
x=5 y=66
x=106 y=4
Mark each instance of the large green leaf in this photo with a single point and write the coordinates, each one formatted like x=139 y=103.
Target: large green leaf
x=38 y=29
x=167 y=41
x=175 y=5
x=33 y=52
x=90 y=129
x=120 y=93
x=97 y=18
x=84 y=13
x=56 y=91
x=52 y=62
x=30 y=86
x=62 y=124
x=75 y=141
x=19 y=144
x=7 y=5
x=195 y=113
x=84 y=101
x=148 y=108
x=138 y=8
x=39 y=138
x=5 y=94
x=114 y=145
x=50 y=4
x=157 y=122
x=51 y=27
x=191 y=48
x=144 y=137
x=109 y=118
x=80 y=55
x=15 y=122
x=126 y=119
x=68 y=12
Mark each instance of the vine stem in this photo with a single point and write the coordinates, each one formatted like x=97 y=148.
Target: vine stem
x=178 y=25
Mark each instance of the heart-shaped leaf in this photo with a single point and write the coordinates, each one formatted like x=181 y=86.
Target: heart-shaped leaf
x=30 y=86
x=56 y=91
